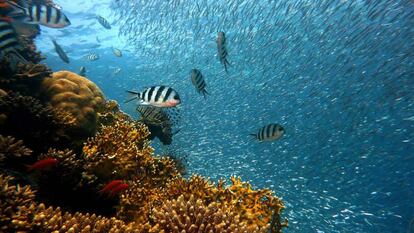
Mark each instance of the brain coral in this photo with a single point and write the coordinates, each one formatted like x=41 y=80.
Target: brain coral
x=77 y=95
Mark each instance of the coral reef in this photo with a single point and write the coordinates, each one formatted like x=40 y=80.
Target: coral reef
x=40 y=126
x=20 y=213
x=193 y=215
x=118 y=150
x=11 y=148
x=77 y=95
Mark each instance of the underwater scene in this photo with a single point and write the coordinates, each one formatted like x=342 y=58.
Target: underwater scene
x=207 y=116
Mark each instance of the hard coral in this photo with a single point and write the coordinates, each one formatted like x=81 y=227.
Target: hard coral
x=119 y=150
x=193 y=215
x=77 y=95
x=10 y=147
x=20 y=213
x=256 y=207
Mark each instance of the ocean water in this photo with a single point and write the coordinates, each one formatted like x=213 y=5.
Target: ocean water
x=338 y=75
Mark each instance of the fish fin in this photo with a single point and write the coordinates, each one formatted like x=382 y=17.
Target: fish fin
x=205 y=93
x=254 y=137
x=226 y=63
x=133 y=92
x=177 y=131
x=131 y=99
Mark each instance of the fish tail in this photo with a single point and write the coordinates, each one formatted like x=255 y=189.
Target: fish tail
x=205 y=93
x=254 y=137
x=133 y=92
x=226 y=63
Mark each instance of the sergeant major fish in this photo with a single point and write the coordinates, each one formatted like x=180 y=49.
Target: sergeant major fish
x=158 y=96
x=103 y=22
x=222 y=50
x=269 y=132
x=37 y=13
x=92 y=57
x=60 y=52
x=198 y=81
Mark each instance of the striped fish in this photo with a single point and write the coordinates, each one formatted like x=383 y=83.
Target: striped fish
x=8 y=39
x=269 y=132
x=103 y=22
x=160 y=122
x=222 y=50
x=158 y=96
x=46 y=15
x=92 y=57
x=60 y=52
x=198 y=81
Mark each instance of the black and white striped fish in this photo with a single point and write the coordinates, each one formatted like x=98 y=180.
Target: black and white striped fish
x=103 y=22
x=158 y=96
x=8 y=38
x=92 y=57
x=269 y=132
x=222 y=50
x=198 y=81
x=162 y=122
x=60 y=52
x=46 y=15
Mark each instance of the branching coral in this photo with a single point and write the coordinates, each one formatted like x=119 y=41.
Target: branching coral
x=256 y=207
x=20 y=213
x=111 y=113
x=118 y=150
x=193 y=215
x=77 y=95
x=10 y=147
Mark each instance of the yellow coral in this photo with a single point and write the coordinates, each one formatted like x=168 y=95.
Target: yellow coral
x=192 y=215
x=118 y=150
x=77 y=95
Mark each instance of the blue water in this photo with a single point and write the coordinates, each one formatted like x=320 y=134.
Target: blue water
x=338 y=75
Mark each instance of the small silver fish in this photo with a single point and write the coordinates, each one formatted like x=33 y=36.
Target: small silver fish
x=117 y=52
x=198 y=81
x=60 y=52
x=92 y=57
x=269 y=132
x=117 y=71
x=222 y=50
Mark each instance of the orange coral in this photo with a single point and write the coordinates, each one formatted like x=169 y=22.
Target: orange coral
x=76 y=94
x=193 y=215
x=118 y=150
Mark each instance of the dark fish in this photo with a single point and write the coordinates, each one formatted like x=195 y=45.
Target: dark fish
x=158 y=96
x=222 y=50
x=82 y=71
x=160 y=122
x=198 y=81
x=60 y=52
x=8 y=39
x=269 y=132
x=103 y=22
x=9 y=44
x=92 y=57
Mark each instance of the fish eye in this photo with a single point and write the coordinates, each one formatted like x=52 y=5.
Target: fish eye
x=281 y=128
x=176 y=97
